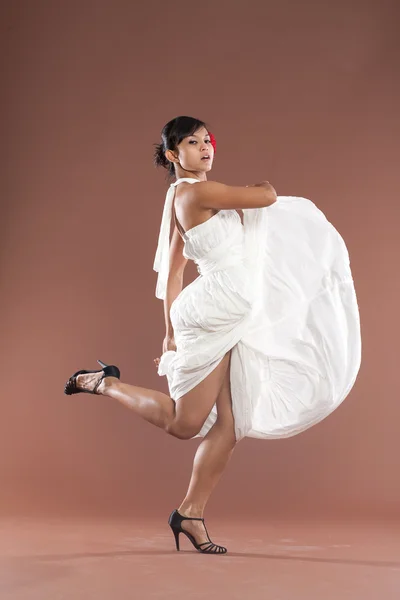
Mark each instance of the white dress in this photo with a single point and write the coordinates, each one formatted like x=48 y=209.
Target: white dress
x=279 y=292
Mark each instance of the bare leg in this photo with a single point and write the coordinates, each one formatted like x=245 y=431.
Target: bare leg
x=211 y=458
x=155 y=407
x=183 y=418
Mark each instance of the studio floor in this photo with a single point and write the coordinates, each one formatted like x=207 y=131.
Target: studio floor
x=103 y=558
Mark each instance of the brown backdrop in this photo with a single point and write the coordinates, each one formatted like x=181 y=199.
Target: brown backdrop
x=304 y=94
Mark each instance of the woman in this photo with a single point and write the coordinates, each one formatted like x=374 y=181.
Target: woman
x=264 y=343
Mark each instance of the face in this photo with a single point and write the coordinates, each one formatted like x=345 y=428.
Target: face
x=192 y=152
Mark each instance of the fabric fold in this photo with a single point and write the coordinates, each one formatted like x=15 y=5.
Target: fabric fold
x=161 y=260
x=165 y=362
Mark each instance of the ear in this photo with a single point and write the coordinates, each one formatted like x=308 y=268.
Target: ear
x=171 y=156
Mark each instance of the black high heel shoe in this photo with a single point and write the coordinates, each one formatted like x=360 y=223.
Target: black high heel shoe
x=175 y=522
x=108 y=371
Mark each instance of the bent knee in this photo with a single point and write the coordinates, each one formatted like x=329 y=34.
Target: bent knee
x=182 y=430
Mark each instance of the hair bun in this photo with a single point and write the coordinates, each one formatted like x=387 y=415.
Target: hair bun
x=160 y=160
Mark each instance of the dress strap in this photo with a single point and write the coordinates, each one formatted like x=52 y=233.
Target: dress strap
x=188 y=179
x=178 y=225
x=161 y=261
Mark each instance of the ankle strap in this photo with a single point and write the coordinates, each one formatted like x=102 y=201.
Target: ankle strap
x=190 y=518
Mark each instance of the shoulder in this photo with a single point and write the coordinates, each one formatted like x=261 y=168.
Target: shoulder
x=201 y=190
x=189 y=193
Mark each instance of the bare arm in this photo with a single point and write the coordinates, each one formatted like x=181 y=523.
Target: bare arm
x=211 y=194
x=177 y=264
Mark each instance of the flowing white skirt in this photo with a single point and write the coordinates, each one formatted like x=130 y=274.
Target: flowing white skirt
x=289 y=313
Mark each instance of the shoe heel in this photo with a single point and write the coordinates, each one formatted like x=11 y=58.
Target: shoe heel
x=110 y=371
x=176 y=534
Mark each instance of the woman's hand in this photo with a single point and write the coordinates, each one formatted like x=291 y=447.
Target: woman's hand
x=265 y=184
x=168 y=344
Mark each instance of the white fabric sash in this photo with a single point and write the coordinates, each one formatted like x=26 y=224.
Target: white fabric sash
x=161 y=261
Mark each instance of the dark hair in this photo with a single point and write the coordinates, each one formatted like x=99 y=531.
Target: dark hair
x=171 y=135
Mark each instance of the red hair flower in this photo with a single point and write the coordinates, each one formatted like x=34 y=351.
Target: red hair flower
x=213 y=142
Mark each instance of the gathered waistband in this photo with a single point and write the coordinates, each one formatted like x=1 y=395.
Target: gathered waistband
x=205 y=266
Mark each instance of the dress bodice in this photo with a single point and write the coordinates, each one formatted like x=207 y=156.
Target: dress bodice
x=213 y=245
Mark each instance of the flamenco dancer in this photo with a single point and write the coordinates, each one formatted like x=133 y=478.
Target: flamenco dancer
x=264 y=343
